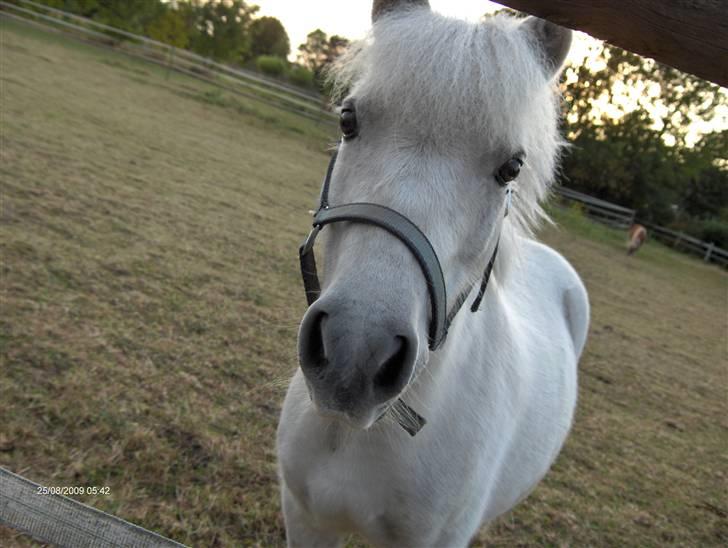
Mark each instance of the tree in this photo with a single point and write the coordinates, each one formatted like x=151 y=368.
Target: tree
x=625 y=162
x=313 y=53
x=705 y=196
x=629 y=121
x=220 y=29
x=86 y=8
x=672 y=99
x=129 y=15
x=169 y=27
x=268 y=37
x=320 y=50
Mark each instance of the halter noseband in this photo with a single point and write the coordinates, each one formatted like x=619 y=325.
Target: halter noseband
x=409 y=234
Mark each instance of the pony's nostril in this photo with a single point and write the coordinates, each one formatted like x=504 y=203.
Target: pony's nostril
x=392 y=372
x=314 y=354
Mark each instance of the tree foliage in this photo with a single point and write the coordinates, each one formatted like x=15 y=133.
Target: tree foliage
x=268 y=37
x=631 y=123
x=271 y=65
x=169 y=27
x=225 y=30
x=319 y=50
x=667 y=97
x=131 y=16
x=301 y=76
x=221 y=29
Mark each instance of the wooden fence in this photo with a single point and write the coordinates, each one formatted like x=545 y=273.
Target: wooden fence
x=622 y=217
x=61 y=521
x=599 y=210
x=679 y=240
x=235 y=79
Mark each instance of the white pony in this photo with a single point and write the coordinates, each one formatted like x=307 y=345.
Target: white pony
x=439 y=118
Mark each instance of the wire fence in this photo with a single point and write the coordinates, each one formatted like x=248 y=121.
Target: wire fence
x=235 y=79
x=621 y=217
x=679 y=240
x=600 y=210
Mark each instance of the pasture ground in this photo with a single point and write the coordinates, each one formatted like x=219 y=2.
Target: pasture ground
x=150 y=299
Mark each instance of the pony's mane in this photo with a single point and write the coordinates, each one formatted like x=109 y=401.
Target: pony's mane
x=450 y=78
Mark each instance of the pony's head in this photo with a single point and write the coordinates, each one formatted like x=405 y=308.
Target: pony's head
x=437 y=116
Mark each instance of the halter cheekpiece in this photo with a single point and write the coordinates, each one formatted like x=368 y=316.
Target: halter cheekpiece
x=409 y=234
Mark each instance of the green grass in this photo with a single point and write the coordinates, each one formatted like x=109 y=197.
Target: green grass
x=150 y=298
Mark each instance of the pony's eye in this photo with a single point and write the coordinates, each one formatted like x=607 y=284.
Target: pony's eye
x=508 y=171
x=347 y=121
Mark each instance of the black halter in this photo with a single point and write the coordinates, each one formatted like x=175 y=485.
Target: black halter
x=409 y=234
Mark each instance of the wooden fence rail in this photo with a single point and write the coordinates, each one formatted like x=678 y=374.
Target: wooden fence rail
x=679 y=240
x=62 y=521
x=600 y=210
x=690 y=35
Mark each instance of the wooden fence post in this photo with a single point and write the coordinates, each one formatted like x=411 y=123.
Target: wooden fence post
x=170 y=61
x=678 y=239
x=709 y=252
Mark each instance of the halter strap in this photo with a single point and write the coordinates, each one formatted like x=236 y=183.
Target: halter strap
x=327 y=180
x=407 y=232
x=486 y=279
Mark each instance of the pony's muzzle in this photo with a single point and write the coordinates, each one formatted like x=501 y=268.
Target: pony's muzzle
x=352 y=366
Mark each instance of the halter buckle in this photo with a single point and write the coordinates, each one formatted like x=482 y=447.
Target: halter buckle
x=509 y=195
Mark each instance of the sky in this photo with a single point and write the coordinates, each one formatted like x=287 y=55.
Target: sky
x=349 y=18
x=352 y=18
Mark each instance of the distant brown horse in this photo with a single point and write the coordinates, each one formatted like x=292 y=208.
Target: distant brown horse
x=637 y=236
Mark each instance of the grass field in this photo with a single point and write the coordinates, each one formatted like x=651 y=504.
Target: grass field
x=150 y=299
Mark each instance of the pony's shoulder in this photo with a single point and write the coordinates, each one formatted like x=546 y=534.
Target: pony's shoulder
x=548 y=261
x=550 y=274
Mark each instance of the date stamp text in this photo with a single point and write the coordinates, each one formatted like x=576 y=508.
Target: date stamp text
x=72 y=490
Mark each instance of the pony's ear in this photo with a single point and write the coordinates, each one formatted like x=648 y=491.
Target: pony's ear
x=554 y=41
x=380 y=7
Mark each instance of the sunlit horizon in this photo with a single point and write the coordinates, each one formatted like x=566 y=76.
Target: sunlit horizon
x=352 y=20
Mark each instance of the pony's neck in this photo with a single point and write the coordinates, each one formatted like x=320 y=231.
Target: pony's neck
x=453 y=363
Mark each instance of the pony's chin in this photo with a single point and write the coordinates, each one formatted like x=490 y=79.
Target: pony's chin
x=355 y=422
